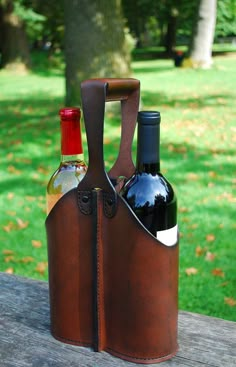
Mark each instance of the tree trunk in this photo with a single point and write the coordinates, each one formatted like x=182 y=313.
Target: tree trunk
x=170 y=39
x=95 y=44
x=14 y=44
x=203 y=34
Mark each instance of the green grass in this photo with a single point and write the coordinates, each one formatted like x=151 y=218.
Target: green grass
x=155 y=52
x=198 y=138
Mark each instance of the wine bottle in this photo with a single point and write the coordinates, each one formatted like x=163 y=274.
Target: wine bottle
x=148 y=193
x=72 y=167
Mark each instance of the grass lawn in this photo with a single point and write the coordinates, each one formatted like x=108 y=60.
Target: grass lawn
x=198 y=139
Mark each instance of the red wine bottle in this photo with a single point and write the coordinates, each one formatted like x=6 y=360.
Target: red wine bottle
x=72 y=167
x=148 y=193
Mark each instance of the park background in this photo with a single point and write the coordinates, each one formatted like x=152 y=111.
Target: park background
x=45 y=47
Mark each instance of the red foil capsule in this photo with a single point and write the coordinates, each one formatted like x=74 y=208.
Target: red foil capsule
x=71 y=141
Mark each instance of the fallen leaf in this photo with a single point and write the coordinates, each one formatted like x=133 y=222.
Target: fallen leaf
x=7 y=252
x=9 y=258
x=183 y=209
x=107 y=141
x=43 y=170
x=193 y=226
x=30 y=198
x=218 y=272
x=185 y=219
x=9 y=271
x=36 y=243
x=12 y=213
x=199 y=251
x=10 y=156
x=10 y=195
x=210 y=256
x=177 y=149
x=192 y=176
x=16 y=142
x=8 y=227
x=27 y=259
x=48 y=142
x=230 y=301
x=210 y=237
x=212 y=174
x=23 y=160
x=21 y=223
x=41 y=267
x=12 y=169
x=226 y=196
x=35 y=176
x=224 y=284
x=191 y=271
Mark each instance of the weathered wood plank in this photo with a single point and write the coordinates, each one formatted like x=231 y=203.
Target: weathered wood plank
x=25 y=339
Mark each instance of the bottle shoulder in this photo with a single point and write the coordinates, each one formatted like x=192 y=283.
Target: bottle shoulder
x=148 y=189
x=70 y=166
x=67 y=176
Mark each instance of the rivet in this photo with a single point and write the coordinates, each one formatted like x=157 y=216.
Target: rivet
x=109 y=201
x=85 y=199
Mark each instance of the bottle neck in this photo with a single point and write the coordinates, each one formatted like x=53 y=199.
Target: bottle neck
x=71 y=141
x=65 y=158
x=148 y=148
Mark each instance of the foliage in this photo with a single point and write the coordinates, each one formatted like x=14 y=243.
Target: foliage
x=33 y=20
x=197 y=149
x=53 y=27
x=42 y=20
x=226 y=18
x=148 y=19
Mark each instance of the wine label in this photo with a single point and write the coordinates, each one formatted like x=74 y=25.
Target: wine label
x=168 y=236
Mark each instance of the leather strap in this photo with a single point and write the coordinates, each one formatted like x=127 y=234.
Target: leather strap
x=94 y=93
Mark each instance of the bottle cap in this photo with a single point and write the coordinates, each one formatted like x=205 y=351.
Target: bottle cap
x=71 y=140
x=149 y=117
x=70 y=113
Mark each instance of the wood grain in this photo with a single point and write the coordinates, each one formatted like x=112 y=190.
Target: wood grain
x=25 y=339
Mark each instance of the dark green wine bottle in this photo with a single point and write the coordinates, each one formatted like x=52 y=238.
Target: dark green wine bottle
x=148 y=193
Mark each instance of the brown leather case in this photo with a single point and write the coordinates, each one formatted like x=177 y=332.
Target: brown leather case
x=113 y=286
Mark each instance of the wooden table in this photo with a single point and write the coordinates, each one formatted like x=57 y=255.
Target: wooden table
x=25 y=339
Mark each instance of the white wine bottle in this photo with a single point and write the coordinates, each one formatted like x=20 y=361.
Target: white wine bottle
x=72 y=167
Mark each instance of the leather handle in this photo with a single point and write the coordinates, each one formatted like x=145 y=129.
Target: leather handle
x=95 y=93
x=119 y=89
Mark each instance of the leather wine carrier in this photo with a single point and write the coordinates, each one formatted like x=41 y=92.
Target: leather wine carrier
x=113 y=285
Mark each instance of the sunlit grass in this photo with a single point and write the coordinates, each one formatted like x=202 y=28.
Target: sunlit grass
x=198 y=138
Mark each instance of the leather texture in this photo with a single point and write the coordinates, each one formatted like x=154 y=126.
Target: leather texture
x=113 y=286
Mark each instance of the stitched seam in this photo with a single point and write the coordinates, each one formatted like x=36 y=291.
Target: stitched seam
x=95 y=270
x=142 y=358
x=109 y=210
x=99 y=275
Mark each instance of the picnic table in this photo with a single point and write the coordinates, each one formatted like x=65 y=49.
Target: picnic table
x=25 y=339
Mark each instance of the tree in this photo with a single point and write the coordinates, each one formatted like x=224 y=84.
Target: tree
x=48 y=21
x=167 y=15
x=172 y=18
x=95 y=43
x=13 y=43
x=200 y=51
x=226 y=18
